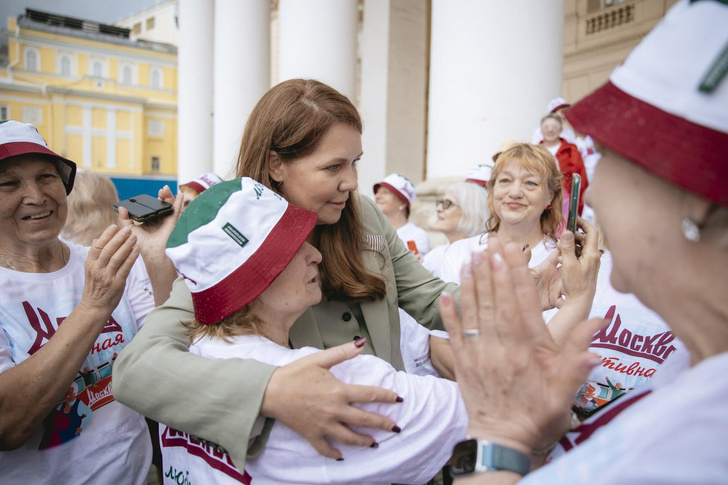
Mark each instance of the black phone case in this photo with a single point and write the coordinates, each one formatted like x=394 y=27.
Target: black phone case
x=144 y=207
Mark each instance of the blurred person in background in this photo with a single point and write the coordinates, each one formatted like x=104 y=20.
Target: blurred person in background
x=461 y=213
x=193 y=188
x=394 y=196
x=90 y=208
x=568 y=156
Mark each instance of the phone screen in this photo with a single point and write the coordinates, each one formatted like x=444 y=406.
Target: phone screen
x=574 y=202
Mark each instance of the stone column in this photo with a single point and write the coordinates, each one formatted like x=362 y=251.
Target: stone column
x=494 y=67
x=194 y=82
x=318 y=41
x=241 y=73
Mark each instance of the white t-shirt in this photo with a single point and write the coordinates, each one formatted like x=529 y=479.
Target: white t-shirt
x=633 y=346
x=459 y=253
x=435 y=259
x=432 y=417
x=91 y=438
x=410 y=232
x=675 y=434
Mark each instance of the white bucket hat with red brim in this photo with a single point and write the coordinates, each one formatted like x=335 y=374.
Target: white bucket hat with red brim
x=232 y=241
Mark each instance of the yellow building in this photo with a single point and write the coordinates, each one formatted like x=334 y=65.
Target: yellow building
x=100 y=99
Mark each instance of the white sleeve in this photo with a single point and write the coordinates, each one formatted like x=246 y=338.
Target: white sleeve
x=139 y=292
x=414 y=344
x=455 y=257
x=432 y=417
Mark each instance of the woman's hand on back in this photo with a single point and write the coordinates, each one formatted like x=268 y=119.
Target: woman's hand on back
x=307 y=398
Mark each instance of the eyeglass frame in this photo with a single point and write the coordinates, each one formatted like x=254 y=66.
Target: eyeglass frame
x=445 y=203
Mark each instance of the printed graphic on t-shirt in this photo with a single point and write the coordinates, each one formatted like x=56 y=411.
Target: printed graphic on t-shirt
x=90 y=390
x=176 y=470
x=631 y=354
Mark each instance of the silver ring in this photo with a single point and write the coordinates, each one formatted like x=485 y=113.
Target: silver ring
x=471 y=332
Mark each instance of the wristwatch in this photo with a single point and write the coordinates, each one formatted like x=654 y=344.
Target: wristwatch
x=476 y=456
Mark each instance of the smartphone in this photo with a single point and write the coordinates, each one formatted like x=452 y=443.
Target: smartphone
x=413 y=247
x=574 y=202
x=144 y=207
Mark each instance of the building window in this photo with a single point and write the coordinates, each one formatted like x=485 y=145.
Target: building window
x=33 y=116
x=127 y=74
x=155 y=128
x=150 y=23
x=97 y=69
x=64 y=65
x=155 y=164
x=32 y=60
x=4 y=113
x=137 y=28
x=155 y=78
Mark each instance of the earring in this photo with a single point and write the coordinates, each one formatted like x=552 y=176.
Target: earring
x=690 y=230
x=548 y=207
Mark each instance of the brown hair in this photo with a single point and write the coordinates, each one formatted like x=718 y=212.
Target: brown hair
x=290 y=119
x=90 y=208
x=537 y=159
x=242 y=322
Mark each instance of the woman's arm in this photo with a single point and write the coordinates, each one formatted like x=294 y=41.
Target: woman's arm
x=31 y=389
x=219 y=400
x=441 y=356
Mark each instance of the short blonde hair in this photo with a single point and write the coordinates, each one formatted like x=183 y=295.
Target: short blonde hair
x=90 y=208
x=538 y=159
x=242 y=322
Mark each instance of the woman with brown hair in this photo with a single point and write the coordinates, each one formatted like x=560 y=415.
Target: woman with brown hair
x=303 y=140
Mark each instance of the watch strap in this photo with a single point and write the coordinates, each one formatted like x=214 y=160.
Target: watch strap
x=476 y=456
x=496 y=457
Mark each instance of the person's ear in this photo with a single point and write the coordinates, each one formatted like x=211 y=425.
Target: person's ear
x=276 y=167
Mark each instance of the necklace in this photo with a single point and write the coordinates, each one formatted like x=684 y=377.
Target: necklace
x=12 y=266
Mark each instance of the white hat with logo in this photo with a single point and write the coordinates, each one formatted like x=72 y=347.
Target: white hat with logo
x=232 y=242
x=400 y=186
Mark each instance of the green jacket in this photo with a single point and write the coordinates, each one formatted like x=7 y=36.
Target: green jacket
x=219 y=400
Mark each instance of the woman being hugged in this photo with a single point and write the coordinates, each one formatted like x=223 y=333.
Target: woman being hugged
x=303 y=140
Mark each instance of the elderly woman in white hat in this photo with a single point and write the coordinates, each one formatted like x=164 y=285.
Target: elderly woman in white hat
x=394 y=195
x=243 y=253
x=66 y=311
x=660 y=196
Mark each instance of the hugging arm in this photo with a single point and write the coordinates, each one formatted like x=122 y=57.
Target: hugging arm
x=219 y=400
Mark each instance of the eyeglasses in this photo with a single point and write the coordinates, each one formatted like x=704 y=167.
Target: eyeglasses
x=445 y=203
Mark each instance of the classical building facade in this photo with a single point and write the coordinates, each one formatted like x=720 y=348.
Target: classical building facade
x=99 y=98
